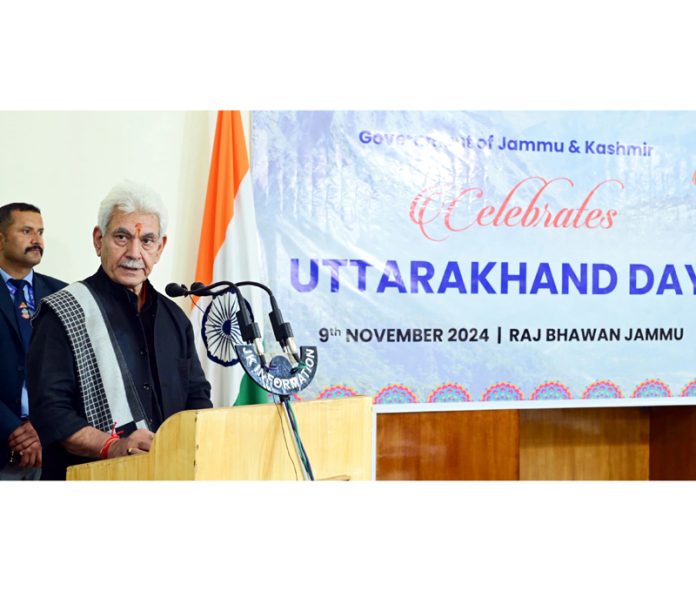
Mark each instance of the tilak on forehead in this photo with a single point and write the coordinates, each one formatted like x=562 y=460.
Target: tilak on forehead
x=138 y=228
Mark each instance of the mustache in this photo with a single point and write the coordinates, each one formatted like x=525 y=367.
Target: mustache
x=132 y=264
x=28 y=250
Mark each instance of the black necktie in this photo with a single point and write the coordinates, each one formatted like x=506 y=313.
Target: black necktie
x=22 y=311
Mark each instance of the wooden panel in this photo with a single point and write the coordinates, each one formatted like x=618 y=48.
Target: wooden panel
x=251 y=443
x=337 y=435
x=448 y=445
x=585 y=444
x=673 y=443
x=124 y=468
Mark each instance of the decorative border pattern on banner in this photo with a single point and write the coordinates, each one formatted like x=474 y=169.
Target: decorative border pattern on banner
x=449 y=393
x=337 y=392
x=502 y=391
x=652 y=389
x=395 y=394
x=505 y=391
x=690 y=388
x=551 y=391
x=602 y=389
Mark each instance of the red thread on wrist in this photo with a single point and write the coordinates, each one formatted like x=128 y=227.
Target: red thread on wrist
x=104 y=453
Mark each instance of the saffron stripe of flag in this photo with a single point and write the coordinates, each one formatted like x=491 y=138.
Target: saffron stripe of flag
x=229 y=249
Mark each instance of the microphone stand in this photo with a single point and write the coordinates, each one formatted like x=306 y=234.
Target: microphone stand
x=299 y=446
x=278 y=377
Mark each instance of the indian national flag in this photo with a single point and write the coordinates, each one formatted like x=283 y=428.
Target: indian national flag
x=229 y=250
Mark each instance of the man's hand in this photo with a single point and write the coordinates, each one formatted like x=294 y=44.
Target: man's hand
x=31 y=457
x=137 y=442
x=24 y=440
x=88 y=442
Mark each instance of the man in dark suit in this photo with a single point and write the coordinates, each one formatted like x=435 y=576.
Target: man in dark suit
x=21 y=290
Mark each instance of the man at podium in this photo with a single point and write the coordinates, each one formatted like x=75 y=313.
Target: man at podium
x=111 y=358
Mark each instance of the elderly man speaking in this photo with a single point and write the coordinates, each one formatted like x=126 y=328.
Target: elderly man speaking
x=111 y=358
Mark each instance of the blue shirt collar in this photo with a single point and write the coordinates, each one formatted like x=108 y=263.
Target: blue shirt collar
x=29 y=278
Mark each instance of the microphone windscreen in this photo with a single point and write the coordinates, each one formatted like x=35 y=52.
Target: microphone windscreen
x=174 y=290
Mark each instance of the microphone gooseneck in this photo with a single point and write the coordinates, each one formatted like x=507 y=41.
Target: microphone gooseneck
x=248 y=329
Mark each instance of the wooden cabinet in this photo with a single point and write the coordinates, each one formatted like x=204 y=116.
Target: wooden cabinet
x=636 y=443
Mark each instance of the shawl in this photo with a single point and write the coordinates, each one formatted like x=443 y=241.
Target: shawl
x=109 y=396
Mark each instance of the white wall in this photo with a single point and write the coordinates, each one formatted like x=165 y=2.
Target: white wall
x=66 y=162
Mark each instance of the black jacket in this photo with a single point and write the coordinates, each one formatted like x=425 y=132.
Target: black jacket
x=12 y=358
x=168 y=381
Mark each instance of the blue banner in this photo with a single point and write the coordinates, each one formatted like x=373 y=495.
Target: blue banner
x=504 y=257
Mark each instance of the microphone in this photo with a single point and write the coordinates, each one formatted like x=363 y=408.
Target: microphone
x=283 y=333
x=174 y=290
x=281 y=330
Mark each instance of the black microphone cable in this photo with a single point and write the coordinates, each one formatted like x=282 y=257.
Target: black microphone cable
x=285 y=437
x=304 y=458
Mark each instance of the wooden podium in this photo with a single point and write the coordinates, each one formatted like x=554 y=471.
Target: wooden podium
x=251 y=443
